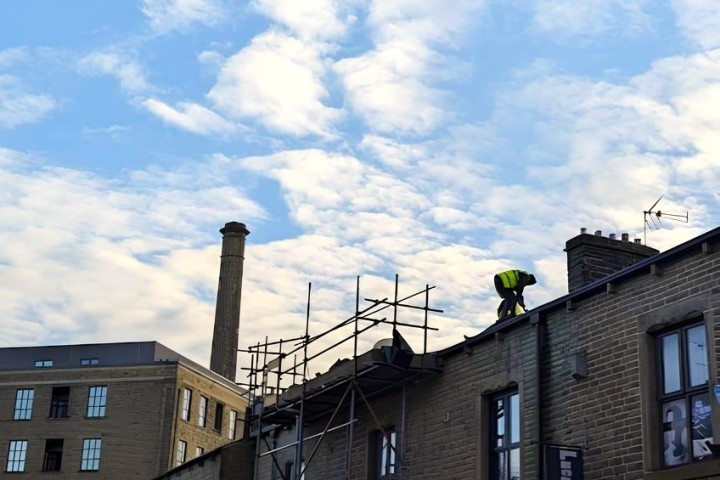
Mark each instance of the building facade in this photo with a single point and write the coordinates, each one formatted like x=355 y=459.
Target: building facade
x=116 y=410
x=618 y=379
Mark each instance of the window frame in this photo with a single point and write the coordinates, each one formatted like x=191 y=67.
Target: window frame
x=96 y=404
x=90 y=456
x=202 y=411
x=23 y=404
x=181 y=452
x=384 y=457
x=683 y=396
x=13 y=464
x=232 y=427
x=500 y=456
x=52 y=459
x=219 y=414
x=186 y=404
x=47 y=363
x=59 y=403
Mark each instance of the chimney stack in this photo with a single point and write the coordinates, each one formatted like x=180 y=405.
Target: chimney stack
x=223 y=357
x=592 y=257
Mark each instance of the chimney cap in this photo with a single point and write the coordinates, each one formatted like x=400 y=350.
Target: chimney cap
x=598 y=233
x=583 y=230
x=235 y=227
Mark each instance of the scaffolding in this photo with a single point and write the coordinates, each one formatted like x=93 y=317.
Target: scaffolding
x=389 y=366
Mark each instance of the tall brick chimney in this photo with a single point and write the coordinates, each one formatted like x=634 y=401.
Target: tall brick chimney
x=223 y=357
x=592 y=257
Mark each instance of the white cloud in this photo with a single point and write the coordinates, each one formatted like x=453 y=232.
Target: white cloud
x=386 y=88
x=168 y=15
x=129 y=73
x=699 y=20
x=113 y=259
x=392 y=85
x=591 y=17
x=20 y=107
x=11 y=56
x=277 y=80
x=310 y=19
x=191 y=117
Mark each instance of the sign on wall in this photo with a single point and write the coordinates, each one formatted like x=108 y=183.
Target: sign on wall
x=563 y=463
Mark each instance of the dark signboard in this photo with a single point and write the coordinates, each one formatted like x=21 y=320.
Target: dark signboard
x=563 y=463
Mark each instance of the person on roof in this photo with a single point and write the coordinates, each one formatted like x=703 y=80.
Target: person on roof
x=510 y=285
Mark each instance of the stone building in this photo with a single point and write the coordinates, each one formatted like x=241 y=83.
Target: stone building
x=124 y=410
x=115 y=410
x=618 y=379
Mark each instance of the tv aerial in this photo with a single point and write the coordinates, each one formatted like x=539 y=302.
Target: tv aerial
x=652 y=218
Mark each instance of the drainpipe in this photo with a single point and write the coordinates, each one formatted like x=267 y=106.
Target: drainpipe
x=539 y=332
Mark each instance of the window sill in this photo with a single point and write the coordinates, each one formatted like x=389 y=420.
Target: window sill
x=696 y=470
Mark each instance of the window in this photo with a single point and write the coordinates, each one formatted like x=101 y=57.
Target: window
x=59 y=402
x=180 y=454
x=199 y=451
x=218 y=417
x=383 y=454
x=233 y=424
x=684 y=395
x=202 y=411
x=24 y=404
x=91 y=454
x=187 y=403
x=16 y=456
x=505 y=436
x=97 y=400
x=53 y=455
x=43 y=363
x=89 y=361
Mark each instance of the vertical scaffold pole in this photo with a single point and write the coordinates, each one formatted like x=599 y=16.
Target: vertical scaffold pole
x=299 y=450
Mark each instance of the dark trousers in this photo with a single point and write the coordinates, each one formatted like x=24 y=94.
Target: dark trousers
x=507 y=306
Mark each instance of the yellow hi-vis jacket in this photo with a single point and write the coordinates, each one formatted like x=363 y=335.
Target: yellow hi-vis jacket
x=511 y=278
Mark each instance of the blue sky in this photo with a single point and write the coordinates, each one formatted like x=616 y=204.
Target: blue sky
x=353 y=137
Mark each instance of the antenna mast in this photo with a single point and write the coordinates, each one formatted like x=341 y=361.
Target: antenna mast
x=654 y=215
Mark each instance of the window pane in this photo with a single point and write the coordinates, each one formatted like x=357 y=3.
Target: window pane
x=499 y=423
x=502 y=473
x=23 y=404
x=701 y=414
x=697 y=356
x=91 y=454
x=515 y=419
x=675 y=434
x=391 y=466
x=515 y=464
x=97 y=401
x=16 y=456
x=671 y=363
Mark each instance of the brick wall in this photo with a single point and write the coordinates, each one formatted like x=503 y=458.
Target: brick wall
x=190 y=431
x=131 y=428
x=605 y=409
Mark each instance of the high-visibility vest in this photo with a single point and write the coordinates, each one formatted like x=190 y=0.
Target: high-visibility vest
x=511 y=278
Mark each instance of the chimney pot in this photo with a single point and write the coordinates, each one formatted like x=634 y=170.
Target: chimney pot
x=612 y=236
x=638 y=241
x=583 y=230
x=598 y=233
x=625 y=237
